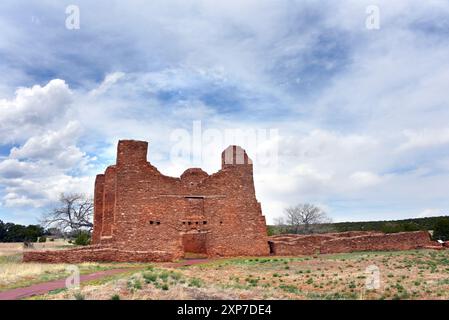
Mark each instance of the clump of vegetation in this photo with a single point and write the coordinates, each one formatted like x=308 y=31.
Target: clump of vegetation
x=195 y=282
x=252 y=281
x=150 y=277
x=79 y=296
x=82 y=239
x=441 y=230
x=10 y=232
x=115 y=297
x=289 y=288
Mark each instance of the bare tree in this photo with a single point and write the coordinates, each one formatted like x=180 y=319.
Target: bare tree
x=74 y=214
x=304 y=216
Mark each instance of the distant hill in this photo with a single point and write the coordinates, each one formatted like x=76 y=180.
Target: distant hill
x=387 y=226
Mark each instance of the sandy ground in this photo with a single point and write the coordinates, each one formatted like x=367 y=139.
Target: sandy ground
x=420 y=274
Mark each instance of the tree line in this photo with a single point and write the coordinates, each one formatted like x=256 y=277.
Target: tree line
x=308 y=218
x=11 y=232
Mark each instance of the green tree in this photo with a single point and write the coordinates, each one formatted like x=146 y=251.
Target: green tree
x=83 y=238
x=441 y=229
x=2 y=231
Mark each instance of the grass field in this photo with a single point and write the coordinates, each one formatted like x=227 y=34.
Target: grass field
x=420 y=274
x=14 y=273
x=17 y=247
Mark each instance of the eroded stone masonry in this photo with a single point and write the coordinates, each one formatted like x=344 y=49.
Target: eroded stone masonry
x=143 y=215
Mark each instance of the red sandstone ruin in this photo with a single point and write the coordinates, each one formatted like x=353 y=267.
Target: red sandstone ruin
x=141 y=215
x=343 y=242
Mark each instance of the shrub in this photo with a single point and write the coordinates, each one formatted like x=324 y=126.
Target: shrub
x=79 y=296
x=441 y=230
x=51 y=239
x=195 y=282
x=42 y=239
x=115 y=297
x=150 y=277
x=83 y=239
x=137 y=285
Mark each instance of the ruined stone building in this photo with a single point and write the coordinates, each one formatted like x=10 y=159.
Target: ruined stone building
x=138 y=208
x=142 y=215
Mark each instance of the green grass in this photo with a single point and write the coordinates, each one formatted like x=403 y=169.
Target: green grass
x=195 y=282
x=14 y=258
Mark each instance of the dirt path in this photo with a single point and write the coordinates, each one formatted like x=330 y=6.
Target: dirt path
x=42 y=288
x=45 y=287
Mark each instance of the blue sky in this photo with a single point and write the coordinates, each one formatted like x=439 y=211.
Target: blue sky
x=361 y=115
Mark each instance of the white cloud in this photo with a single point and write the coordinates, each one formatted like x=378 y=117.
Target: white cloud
x=109 y=80
x=44 y=190
x=427 y=138
x=56 y=147
x=12 y=168
x=365 y=179
x=431 y=212
x=33 y=109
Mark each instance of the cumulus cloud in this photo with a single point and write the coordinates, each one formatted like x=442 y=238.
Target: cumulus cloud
x=360 y=130
x=12 y=168
x=33 y=109
x=43 y=191
x=56 y=147
x=45 y=159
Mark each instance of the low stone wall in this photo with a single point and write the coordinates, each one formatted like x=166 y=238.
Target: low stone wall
x=96 y=254
x=380 y=242
x=292 y=245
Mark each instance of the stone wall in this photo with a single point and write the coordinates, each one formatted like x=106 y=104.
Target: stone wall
x=138 y=209
x=291 y=245
x=380 y=242
x=97 y=254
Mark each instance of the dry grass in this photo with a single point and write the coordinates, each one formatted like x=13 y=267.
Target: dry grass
x=17 y=247
x=404 y=275
x=14 y=273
